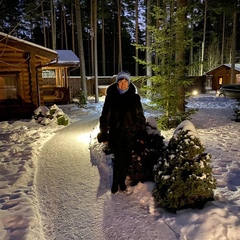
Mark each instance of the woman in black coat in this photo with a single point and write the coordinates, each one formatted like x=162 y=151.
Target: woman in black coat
x=122 y=123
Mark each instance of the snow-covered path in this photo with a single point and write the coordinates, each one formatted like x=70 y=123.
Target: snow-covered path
x=73 y=206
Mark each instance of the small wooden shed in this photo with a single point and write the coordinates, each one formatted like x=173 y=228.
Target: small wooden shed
x=56 y=78
x=221 y=75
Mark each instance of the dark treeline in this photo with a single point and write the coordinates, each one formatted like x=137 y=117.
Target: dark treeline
x=52 y=23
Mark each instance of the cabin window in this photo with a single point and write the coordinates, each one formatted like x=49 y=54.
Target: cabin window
x=56 y=77
x=49 y=77
x=238 y=78
x=8 y=86
x=220 y=81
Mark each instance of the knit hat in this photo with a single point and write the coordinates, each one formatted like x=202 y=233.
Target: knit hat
x=122 y=75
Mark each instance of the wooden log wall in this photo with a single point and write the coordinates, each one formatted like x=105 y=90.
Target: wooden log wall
x=29 y=78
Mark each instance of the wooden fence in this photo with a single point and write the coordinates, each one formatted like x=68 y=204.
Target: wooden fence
x=103 y=83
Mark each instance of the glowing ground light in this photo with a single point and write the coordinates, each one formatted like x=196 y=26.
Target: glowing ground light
x=194 y=92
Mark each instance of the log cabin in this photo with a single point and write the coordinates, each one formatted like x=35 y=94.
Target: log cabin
x=24 y=83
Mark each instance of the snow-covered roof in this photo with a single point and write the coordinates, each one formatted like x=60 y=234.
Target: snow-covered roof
x=67 y=58
x=237 y=67
x=27 y=46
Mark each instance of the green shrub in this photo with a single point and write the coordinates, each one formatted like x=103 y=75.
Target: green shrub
x=79 y=98
x=184 y=176
x=62 y=120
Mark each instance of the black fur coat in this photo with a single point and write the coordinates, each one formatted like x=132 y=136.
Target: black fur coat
x=122 y=115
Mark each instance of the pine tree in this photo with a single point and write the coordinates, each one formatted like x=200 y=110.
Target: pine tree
x=184 y=176
x=164 y=91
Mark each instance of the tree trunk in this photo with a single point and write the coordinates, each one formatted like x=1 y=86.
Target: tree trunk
x=180 y=52
x=136 y=36
x=114 y=50
x=44 y=28
x=95 y=51
x=73 y=27
x=191 y=59
x=80 y=47
x=203 y=41
x=157 y=24
x=53 y=24
x=103 y=44
x=64 y=26
x=92 y=38
x=233 y=75
x=148 y=44
x=223 y=38
x=119 y=37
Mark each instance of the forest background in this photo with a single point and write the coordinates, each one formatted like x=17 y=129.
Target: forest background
x=162 y=41
x=103 y=32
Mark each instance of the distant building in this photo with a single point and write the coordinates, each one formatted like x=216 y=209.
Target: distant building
x=221 y=75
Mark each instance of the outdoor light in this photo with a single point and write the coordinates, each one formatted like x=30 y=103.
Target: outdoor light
x=194 y=92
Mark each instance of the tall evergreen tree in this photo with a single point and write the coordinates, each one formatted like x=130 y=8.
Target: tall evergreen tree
x=165 y=82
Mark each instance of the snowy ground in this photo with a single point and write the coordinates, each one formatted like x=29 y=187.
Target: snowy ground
x=55 y=185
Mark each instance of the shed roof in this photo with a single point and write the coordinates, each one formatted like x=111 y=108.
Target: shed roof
x=67 y=58
x=237 y=66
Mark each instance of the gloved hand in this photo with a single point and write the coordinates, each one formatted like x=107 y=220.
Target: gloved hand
x=102 y=137
x=141 y=136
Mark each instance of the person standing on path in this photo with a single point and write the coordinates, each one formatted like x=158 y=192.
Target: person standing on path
x=122 y=123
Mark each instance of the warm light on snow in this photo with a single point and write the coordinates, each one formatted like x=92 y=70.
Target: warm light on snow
x=84 y=138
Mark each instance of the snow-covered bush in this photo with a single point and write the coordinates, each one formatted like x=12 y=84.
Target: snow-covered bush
x=45 y=116
x=184 y=176
x=146 y=154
